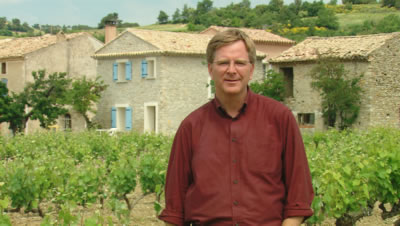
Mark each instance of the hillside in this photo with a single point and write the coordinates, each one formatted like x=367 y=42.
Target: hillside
x=360 y=13
x=353 y=20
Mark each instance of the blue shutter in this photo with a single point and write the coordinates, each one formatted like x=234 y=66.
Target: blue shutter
x=115 y=72
x=128 y=118
x=113 y=117
x=128 y=70
x=144 y=68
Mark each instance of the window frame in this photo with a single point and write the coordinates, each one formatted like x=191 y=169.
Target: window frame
x=306 y=120
x=121 y=70
x=153 y=66
x=5 y=68
x=146 y=117
x=289 y=81
x=120 y=116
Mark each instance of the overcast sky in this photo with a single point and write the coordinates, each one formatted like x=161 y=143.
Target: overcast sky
x=90 y=12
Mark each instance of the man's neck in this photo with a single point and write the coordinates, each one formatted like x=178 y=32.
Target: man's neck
x=232 y=103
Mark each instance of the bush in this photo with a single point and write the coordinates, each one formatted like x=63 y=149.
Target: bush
x=273 y=86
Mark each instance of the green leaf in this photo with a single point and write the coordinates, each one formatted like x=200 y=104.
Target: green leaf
x=356 y=182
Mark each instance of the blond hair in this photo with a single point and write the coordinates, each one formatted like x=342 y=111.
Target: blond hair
x=228 y=37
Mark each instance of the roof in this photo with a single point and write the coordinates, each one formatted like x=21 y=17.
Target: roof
x=257 y=35
x=167 y=43
x=19 y=47
x=340 y=47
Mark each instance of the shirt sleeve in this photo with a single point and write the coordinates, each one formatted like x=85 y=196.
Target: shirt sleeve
x=178 y=177
x=297 y=178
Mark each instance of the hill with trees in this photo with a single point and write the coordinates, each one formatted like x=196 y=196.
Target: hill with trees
x=296 y=20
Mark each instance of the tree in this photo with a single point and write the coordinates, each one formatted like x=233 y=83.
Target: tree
x=187 y=14
x=204 y=7
x=109 y=17
x=273 y=86
x=162 y=17
x=341 y=96
x=3 y=22
x=327 y=18
x=390 y=3
x=276 y=5
x=11 y=109
x=176 y=17
x=42 y=100
x=84 y=94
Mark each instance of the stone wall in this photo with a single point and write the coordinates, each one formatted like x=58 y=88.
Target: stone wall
x=14 y=74
x=272 y=50
x=307 y=100
x=126 y=42
x=71 y=56
x=385 y=85
x=179 y=88
x=80 y=62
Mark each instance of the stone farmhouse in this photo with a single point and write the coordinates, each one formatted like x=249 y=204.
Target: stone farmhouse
x=270 y=44
x=70 y=53
x=155 y=78
x=376 y=56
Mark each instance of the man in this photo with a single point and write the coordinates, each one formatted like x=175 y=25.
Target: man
x=239 y=159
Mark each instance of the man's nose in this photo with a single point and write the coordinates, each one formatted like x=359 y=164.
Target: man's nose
x=231 y=67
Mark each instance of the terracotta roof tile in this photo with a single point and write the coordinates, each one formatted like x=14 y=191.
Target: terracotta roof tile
x=19 y=47
x=341 y=47
x=257 y=35
x=174 y=43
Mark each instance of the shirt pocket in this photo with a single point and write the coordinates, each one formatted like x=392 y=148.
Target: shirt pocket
x=264 y=156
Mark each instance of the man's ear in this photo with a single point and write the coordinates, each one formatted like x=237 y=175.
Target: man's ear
x=251 y=71
x=209 y=69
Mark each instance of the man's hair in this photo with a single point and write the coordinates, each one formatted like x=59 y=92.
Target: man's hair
x=228 y=37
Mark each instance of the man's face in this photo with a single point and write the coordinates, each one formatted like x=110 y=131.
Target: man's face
x=231 y=70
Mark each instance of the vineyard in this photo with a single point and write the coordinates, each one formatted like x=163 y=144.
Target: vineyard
x=59 y=175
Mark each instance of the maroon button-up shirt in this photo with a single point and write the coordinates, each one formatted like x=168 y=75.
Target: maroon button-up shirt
x=249 y=170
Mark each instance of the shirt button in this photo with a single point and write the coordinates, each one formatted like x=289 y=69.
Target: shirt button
x=237 y=224
x=234 y=161
x=235 y=203
x=235 y=181
x=233 y=139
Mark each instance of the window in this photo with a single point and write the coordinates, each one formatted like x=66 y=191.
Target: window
x=122 y=71
x=288 y=77
x=266 y=67
x=149 y=68
x=306 y=120
x=150 y=117
x=121 y=117
x=3 y=68
x=67 y=124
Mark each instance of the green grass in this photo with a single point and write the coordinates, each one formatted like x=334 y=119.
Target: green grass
x=348 y=19
x=361 y=13
x=166 y=27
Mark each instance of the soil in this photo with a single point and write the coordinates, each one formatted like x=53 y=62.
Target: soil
x=143 y=214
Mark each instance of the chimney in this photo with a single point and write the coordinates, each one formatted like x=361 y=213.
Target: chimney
x=110 y=30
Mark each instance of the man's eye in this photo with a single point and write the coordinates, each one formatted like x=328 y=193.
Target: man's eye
x=240 y=63
x=223 y=63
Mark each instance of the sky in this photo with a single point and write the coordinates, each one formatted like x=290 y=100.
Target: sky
x=90 y=12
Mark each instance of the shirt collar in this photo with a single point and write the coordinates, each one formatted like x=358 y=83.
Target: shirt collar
x=222 y=111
